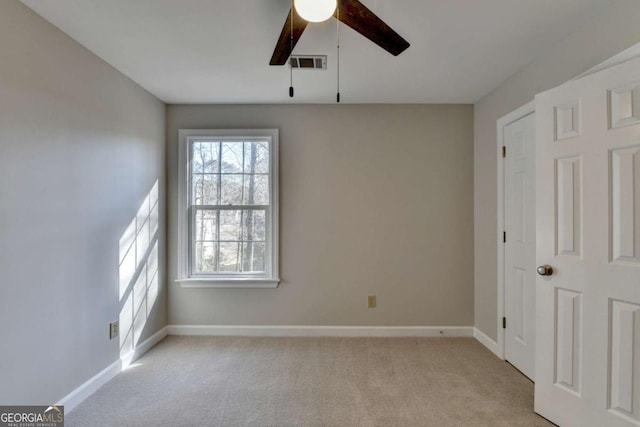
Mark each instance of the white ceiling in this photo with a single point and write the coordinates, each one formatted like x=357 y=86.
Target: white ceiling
x=218 y=51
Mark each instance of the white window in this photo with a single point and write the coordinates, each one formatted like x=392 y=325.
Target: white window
x=228 y=213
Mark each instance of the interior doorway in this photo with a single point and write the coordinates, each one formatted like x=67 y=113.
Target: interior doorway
x=516 y=235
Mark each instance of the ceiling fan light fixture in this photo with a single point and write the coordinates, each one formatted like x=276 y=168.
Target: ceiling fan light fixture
x=315 y=10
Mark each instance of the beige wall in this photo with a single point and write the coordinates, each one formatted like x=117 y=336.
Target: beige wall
x=375 y=199
x=602 y=37
x=80 y=147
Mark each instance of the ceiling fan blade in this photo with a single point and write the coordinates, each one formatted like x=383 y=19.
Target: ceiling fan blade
x=360 y=18
x=283 y=48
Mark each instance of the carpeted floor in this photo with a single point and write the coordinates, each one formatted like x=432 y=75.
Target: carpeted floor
x=229 y=381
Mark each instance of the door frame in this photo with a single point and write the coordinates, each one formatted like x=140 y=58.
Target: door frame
x=514 y=116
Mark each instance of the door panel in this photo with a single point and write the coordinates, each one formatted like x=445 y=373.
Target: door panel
x=625 y=232
x=624 y=105
x=624 y=371
x=588 y=228
x=569 y=211
x=568 y=339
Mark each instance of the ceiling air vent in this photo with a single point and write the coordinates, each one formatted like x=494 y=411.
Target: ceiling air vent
x=309 y=62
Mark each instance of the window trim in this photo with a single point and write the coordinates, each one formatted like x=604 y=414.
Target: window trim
x=269 y=279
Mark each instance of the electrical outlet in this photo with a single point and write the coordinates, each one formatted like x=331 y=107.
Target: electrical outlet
x=114 y=329
x=371 y=301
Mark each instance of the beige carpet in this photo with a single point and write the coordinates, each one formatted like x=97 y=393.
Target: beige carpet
x=228 y=381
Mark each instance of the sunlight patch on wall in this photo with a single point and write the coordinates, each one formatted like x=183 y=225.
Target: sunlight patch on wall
x=138 y=287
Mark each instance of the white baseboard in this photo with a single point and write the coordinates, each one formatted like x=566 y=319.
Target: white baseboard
x=486 y=341
x=322 y=331
x=143 y=347
x=73 y=399
x=77 y=396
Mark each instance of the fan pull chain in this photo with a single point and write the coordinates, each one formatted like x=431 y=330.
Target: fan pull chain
x=291 y=54
x=338 y=53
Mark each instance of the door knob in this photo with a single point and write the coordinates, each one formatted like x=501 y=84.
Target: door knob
x=545 y=270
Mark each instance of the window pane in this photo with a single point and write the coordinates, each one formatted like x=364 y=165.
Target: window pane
x=253 y=257
x=205 y=257
x=205 y=189
x=229 y=256
x=231 y=190
x=230 y=226
x=241 y=245
x=232 y=157
x=205 y=225
x=256 y=189
x=256 y=157
x=205 y=157
x=253 y=225
x=225 y=235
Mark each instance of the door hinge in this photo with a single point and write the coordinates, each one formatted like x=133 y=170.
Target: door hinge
x=504 y=151
x=504 y=323
x=504 y=237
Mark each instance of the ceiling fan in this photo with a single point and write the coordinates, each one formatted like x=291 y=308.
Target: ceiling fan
x=350 y=12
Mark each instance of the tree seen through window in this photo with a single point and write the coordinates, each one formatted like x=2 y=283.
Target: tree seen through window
x=230 y=201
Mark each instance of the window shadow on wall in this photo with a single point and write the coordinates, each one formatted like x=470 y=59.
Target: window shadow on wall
x=138 y=284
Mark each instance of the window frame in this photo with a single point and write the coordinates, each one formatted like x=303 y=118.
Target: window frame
x=187 y=277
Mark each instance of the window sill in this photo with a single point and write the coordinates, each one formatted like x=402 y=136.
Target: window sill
x=229 y=283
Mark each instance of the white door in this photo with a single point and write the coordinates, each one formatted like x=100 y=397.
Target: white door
x=588 y=225
x=520 y=244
